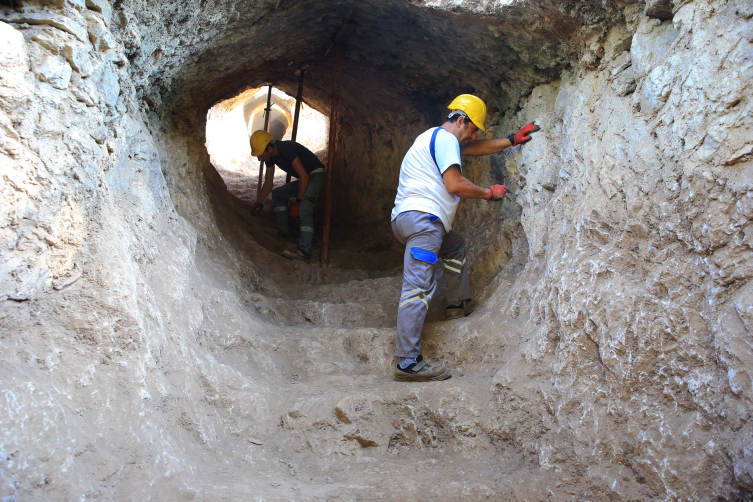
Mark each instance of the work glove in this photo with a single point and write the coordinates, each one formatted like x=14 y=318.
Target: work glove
x=294 y=209
x=256 y=209
x=497 y=192
x=522 y=135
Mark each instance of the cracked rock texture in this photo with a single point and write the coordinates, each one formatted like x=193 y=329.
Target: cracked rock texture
x=154 y=346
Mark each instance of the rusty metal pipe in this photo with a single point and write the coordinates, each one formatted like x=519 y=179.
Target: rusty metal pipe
x=331 y=156
x=267 y=111
x=298 y=99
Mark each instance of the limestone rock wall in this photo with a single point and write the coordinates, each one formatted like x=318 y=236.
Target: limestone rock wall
x=98 y=315
x=636 y=203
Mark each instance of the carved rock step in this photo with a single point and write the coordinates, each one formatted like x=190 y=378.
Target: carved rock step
x=355 y=303
x=373 y=415
x=324 y=314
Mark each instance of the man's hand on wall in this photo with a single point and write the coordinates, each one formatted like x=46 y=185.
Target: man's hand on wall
x=497 y=192
x=522 y=135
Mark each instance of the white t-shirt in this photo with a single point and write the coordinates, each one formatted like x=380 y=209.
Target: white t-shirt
x=421 y=185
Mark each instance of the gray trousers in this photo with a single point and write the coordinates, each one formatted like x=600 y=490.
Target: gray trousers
x=425 y=242
x=280 y=197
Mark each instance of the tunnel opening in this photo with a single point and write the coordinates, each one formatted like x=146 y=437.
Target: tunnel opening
x=385 y=106
x=388 y=98
x=231 y=122
x=359 y=243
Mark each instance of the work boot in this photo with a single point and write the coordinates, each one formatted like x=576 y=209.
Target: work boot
x=420 y=371
x=458 y=310
x=297 y=255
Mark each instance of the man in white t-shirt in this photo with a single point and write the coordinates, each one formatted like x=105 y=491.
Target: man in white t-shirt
x=431 y=185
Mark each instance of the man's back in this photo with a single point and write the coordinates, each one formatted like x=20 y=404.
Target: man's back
x=421 y=185
x=287 y=151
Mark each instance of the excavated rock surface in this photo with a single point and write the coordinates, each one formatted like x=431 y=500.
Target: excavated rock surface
x=153 y=344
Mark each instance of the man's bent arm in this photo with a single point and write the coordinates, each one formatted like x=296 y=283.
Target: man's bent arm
x=303 y=175
x=459 y=186
x=485 y=147
x=268 y=184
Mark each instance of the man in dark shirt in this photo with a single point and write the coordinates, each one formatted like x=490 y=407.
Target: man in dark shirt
x=298 y=161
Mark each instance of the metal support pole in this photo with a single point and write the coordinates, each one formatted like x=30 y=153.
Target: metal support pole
x=331 y=156
x=267 y=112
x=298 y=99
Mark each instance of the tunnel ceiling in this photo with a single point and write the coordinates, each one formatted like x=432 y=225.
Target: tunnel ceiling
x=416 y=54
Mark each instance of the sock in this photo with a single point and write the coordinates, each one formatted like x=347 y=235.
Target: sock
x=405 y=362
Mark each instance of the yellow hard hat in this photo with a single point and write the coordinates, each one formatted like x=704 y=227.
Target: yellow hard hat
x=472 y=106
x=259 y=141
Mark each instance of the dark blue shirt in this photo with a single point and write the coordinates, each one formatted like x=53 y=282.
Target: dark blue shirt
x=287 y=151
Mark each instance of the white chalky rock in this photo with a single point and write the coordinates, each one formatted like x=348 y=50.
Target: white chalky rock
x=110 y=87
x=12 y=46
x=102 y=6
x=650 y=45
x=99 y=35
x=55 y=71
x=79 y=59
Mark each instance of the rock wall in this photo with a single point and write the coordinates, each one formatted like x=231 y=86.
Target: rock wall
x=98 y=315
x=636 y=201
x=140 y=354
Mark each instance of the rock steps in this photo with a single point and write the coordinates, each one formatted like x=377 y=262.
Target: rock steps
x=373 y=419
x=340 y=410
x=336 y=405
x=340 y=301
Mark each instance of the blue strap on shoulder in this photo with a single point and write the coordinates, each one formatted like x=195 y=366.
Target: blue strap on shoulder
x=431 y=147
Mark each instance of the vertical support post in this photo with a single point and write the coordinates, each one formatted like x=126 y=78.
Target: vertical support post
x=331 y=155
x=267 y=111
x=298 y=99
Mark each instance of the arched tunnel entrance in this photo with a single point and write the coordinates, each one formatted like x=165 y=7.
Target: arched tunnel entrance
x=365 y=180
x=230 y=123
x=388 y=98
x=154 y=343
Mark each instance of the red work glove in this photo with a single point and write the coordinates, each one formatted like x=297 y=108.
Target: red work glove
x=294 y=209
x=522 y=135
x=497 y=192
x=255 y=209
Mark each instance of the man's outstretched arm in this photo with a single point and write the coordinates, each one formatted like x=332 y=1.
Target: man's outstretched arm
x=485 y=147
x=496 y=145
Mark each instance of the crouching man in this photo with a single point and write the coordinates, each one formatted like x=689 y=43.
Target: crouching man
x=300 y=162
x=431 y=185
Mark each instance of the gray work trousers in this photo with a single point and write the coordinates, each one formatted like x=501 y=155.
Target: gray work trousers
x=280 y=197
x=426 y=241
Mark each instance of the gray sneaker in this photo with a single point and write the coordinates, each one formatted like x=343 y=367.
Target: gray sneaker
x=296 y=255
x=458 y=310
x=421 y=371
